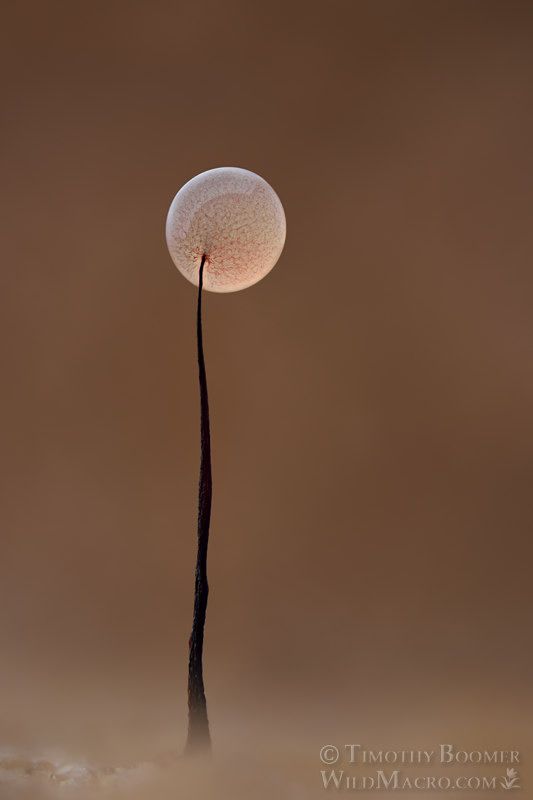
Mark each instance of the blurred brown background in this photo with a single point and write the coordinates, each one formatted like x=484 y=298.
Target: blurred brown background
x=370 y=399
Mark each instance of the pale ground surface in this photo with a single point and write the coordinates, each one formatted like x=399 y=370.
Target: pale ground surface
x=235 y=774
x=269 y=752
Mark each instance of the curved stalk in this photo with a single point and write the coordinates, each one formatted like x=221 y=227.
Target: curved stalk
x=198 y=737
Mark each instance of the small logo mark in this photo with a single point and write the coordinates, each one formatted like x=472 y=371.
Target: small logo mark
x=511 y=781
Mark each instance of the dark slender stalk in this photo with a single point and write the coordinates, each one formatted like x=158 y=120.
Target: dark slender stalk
x=198 y=737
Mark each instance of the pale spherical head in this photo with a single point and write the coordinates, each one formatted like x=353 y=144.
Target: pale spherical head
x=232 y=216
